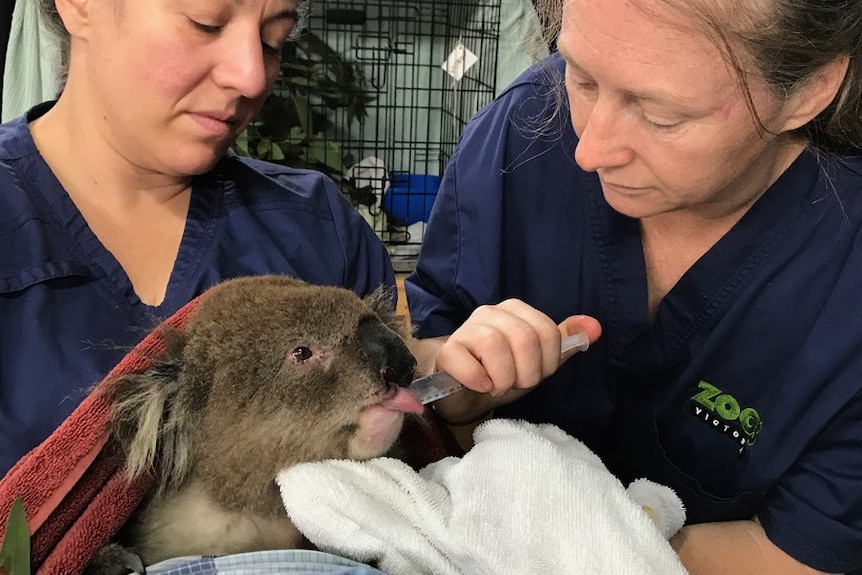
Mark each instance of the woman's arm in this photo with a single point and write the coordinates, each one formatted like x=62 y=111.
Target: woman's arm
x=733 y=548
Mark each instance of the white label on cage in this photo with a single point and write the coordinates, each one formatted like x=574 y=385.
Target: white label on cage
x=459 y=61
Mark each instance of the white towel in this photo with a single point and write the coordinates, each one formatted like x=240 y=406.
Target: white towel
x=525 y=499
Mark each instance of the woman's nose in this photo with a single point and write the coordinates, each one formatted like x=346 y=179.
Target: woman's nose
x=603 y=139
x=242 y=67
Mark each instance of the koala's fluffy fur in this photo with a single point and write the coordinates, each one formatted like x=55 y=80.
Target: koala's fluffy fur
x=268 y=372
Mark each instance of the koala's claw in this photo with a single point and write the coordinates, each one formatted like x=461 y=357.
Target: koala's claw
x=115 y=559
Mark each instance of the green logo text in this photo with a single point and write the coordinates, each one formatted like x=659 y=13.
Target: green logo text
x=722 y=411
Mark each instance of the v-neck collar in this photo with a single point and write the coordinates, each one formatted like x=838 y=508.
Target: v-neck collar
x=206 y=203
x=699 y=298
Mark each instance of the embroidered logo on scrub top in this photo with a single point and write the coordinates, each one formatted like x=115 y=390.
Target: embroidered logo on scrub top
x=722 y=412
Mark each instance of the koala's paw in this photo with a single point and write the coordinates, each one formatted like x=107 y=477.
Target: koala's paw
x=661 y=504
x=115 y=559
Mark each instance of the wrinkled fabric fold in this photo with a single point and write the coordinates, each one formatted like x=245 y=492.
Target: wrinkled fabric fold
x=525 y=499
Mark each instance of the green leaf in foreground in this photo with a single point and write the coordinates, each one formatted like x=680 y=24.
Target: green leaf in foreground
x=15 y=550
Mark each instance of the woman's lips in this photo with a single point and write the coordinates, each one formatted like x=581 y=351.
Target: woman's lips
x=626 y=190
x=213 y=124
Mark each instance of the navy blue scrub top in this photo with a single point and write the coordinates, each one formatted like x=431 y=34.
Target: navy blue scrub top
x=68 y=312
x=743 y=394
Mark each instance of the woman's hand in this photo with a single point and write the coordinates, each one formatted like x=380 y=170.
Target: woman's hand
x=500 y=353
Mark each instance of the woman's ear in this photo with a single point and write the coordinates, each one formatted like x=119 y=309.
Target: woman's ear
x=75 y=15
x=815 y=95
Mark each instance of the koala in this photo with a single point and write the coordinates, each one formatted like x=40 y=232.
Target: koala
x=269 y=372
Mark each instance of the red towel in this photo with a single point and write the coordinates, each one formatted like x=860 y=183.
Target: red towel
x=76 y=496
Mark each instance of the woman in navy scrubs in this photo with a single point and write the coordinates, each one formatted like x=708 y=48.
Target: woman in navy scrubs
x=120 y=202
x=686 y=173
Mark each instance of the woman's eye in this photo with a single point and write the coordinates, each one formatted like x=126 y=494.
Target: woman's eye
x=206 y=28
x=663 y=125
x=587 y=90
x=582 y=85
x=274 y=37
x=301 y=354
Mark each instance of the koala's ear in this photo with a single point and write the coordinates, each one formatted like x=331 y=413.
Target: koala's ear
x=382 y=301
x=148 y=421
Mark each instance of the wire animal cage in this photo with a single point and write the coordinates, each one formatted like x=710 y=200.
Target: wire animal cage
x=425 y=67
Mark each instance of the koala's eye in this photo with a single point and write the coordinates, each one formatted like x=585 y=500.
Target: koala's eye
x=301 y=354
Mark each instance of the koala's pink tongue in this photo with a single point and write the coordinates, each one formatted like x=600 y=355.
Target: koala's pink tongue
x=403 y=401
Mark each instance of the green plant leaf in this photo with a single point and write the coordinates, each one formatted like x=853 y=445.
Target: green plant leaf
x=264 y=149
x=297 y=118
x=241 y=143
x=300 y=81
x=297 y=135
x=325 y=153
x=300 y=104
x=15 y=550
x=276 y=153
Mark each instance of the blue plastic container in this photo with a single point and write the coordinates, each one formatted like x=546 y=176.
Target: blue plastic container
x=410 y=197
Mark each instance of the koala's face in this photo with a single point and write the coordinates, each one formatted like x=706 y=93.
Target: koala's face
x=287 y=372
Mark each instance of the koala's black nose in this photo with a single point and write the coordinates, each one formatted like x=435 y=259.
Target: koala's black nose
x=387 y=352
